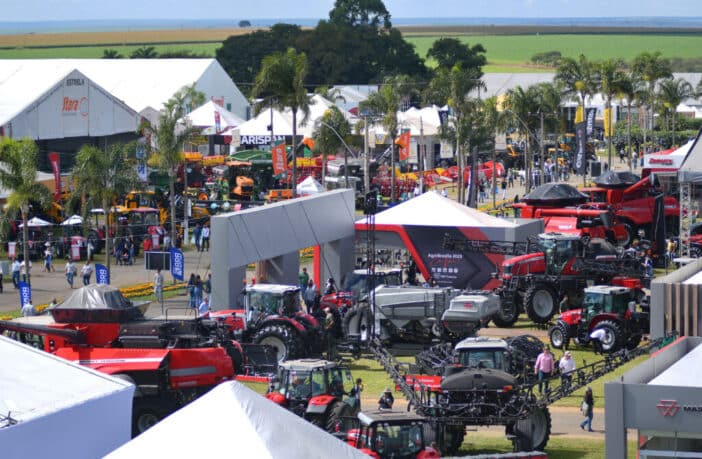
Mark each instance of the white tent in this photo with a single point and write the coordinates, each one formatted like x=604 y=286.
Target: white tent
x=35 y=222
x=204 y=117
x=73 y=220
x=61 y=409
x=234 y=421
x=309 y=186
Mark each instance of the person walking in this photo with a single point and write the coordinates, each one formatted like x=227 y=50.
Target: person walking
x=198 y=290
x=205 y=238
x=355 y=393
x=158 y=286
x=566 y=367
x=304 y=280
x=191 y=291
x=543 y=368
x=309 y=297
x=48 y=267
x=197 y=233
x=587 y=409
x=15 y=273
x=207 y=285
x=70 y=272
x=503 y=185
x=86 y=272
x=25 y=268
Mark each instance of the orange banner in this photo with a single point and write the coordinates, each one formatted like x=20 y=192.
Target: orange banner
x=278 y=157
x=404 y=142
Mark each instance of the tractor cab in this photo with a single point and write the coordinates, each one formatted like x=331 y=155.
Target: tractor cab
x=264 y=300
x=558 y=250
x=607 y=299
x=482 y=352
x=388 y=434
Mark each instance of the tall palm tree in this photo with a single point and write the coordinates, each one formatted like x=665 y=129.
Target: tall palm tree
x=633 y=90
x=498 y=121
x=171 y=135
x=103 y=175
x=280 y=84
x=548 y=99
x=652 y=68
x=521 y=105
x=577 y=78
x=612 y=80
x=18 y=168
x=673 y=91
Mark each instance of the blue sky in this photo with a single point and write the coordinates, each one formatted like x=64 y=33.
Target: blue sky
x=42 y=10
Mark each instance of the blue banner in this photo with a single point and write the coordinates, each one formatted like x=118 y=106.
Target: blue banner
x=25 y=292
x=102 y=275
x=177 y=264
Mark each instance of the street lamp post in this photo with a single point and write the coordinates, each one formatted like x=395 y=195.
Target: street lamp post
x=346 y=163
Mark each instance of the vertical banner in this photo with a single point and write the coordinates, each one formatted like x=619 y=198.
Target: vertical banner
x=278 y=157
x=443 y=116
x=607 y=121
x=25 y=293
x=580 y=138
x=579 y=115
x=404 y=142
x=55 y=160
x=591 y=112
x=218 y=122
x=102 y=275
x=177 y=264
x=12 y=249
x=446 y=150
x=142 y=171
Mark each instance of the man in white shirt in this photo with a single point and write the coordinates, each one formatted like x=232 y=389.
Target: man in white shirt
x=158 y=286
x=567 y=367
x=16 y=273
x=204 y=309
x=28 y=309
x=596 y=338
x=205 y=238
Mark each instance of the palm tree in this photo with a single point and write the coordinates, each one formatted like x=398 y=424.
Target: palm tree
x=633 y=90
x=281 y=84
x=577 y=78
x=652 y=68
x=672 y=93
x=612 y=80
x=171 y=135
x=102 y=175
x=144 y=52
x=548 y=99
x=18 y=168
x=521 y=104
x=498 y=121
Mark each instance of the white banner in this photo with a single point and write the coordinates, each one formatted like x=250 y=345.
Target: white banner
x=446 y=150
x=413 y=152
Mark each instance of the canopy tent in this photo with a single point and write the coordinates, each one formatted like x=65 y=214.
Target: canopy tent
x=420 y=225
x=670 y=159
x=425 y=121
x=690 y=170
x=35 y=222
x=240 y=423
x=56 y=404
x=205 y=117
x=309 y=186
x=73 y=220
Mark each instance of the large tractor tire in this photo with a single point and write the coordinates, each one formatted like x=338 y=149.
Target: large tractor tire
x=285 y=340
x=146 y=412
x=541 y=303
x=452 y=439
x=336 y=413
x=558 y=335
x=532 y=433
x=357 y=323
x=613 y=339
x=507 y=315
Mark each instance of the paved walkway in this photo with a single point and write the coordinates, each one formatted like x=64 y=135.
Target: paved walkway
x=46 y=286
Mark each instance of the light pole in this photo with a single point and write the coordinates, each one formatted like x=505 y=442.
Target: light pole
x=346 y=163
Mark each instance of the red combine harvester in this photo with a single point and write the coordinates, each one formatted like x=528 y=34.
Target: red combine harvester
x=171 y=362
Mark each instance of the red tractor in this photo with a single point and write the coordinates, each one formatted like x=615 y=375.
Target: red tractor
x=609 y=308
x=314 y=389
x=390 y=434
x=272 y=315
x=171 y=362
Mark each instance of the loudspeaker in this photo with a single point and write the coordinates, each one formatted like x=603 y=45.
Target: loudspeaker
x=157 y=260
x=595 y=168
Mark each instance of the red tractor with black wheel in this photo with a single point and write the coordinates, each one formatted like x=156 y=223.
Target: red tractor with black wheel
x=315 y=390
x=609 y=308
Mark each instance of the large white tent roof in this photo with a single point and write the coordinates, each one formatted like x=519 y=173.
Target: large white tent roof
x=234 y=421
x=140 y=83
x=204 y=116
x=432 y=209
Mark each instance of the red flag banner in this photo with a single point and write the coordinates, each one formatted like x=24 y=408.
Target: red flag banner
x=278 y=157
x=404 y=142
x=55 y=160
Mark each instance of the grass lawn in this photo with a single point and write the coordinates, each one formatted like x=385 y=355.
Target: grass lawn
x=558 y=448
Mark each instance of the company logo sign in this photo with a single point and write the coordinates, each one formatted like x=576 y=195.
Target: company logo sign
x=260 y=139
x=662 y=161
x=668 y=408
x=72 y=106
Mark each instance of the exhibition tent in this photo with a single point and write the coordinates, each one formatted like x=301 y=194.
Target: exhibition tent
x=206 y=115
x=691 y=168
x=50 y=407
x=309 y=186
x=233 y=421
x=421 y=224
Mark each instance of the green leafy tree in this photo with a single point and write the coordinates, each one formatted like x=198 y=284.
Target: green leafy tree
x=280 y=84
x=331 y=134
x=18 y=168
x=612 y=79
x=104 y=174
x=450 y=51
x=577 y=78
x=522 y=104
x=171 y=135
x=673 y=91
x=496 y=121
x=651 y=68
x=144 y=52
x=633 y=90
x=360 y=13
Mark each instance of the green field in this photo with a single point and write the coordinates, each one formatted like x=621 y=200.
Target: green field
x=505 y=53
